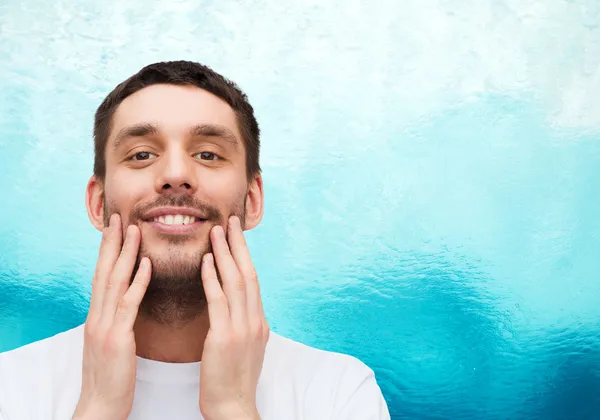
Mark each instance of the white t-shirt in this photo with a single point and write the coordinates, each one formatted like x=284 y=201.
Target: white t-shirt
x=42 y=381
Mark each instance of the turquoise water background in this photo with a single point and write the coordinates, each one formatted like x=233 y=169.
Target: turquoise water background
x=431 y=169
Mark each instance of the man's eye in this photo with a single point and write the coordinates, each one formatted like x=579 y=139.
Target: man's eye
x=142 y=156
x=207 y=156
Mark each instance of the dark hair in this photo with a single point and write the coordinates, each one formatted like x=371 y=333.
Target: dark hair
x=179 y=73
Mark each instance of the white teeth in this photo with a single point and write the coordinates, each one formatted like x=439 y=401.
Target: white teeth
x=175 y=219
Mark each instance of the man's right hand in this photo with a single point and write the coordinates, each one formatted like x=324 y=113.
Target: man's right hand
x=109 y=354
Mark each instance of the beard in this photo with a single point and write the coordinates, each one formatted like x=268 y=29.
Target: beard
x=175 y=294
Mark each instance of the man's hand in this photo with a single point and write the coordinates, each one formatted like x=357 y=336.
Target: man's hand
x=109 y=355
x=235 y=345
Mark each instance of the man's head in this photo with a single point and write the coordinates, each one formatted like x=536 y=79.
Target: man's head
x=176 y=153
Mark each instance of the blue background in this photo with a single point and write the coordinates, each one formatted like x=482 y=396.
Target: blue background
x=431 y=169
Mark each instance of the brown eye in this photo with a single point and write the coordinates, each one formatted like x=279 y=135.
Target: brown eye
x=142 y=156
x=207 y=156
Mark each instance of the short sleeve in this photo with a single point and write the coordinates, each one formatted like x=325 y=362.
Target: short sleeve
x=366 y=402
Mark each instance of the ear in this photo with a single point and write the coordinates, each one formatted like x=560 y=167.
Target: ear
x=94 y=202
x=254 y=203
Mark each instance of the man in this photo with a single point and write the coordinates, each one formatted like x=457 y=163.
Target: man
x=176 y=328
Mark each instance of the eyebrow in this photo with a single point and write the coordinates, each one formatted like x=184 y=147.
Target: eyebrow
x=200 y=130
x=213 y=130
x=136 y=130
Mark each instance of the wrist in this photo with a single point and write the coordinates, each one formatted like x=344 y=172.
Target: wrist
x=254 y=416
x=82 y=414
x=96 y=412
x=234 y=414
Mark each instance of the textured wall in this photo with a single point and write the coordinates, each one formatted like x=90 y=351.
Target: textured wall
x=432 y=181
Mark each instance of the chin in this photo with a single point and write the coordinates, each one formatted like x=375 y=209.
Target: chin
x=174 y=247
x=172 y=271
x=182 y=257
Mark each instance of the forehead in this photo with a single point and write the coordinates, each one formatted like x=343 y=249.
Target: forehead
x=173 y=108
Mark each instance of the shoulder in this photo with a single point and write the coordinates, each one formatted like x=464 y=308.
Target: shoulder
x=330 y=383
x=288 y=354
x=66 y=342
x=46 y=368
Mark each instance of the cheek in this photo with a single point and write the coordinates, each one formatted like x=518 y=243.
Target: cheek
x=121 y=196
x=223 y=193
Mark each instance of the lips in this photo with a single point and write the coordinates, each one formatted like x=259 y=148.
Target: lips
x=176 y=229
x=173 y=211
x=174 y=220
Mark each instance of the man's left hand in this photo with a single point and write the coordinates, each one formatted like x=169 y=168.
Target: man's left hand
x=234 y=349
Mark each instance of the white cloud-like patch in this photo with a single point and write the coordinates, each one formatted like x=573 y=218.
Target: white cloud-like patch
x=417 y=56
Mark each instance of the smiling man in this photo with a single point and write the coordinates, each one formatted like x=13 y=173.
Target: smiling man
x=176 y=327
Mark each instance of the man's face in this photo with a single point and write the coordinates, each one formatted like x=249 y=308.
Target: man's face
x=175 y=167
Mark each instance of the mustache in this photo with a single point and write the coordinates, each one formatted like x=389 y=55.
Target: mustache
x=209 y=212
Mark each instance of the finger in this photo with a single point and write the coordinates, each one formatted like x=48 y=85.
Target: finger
x=265 y=324
x=218 y=307
x=121 y=275
x=130 y=303
x=107 y=256
x=233 y=282
x=243 y=260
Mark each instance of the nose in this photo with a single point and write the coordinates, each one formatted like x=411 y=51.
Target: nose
x=177 y=176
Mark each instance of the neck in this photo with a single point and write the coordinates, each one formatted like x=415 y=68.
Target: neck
x=179 y=343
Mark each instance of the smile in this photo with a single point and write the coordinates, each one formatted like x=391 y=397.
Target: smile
x=175 y=228
x=176 y=225
x=175 y=219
